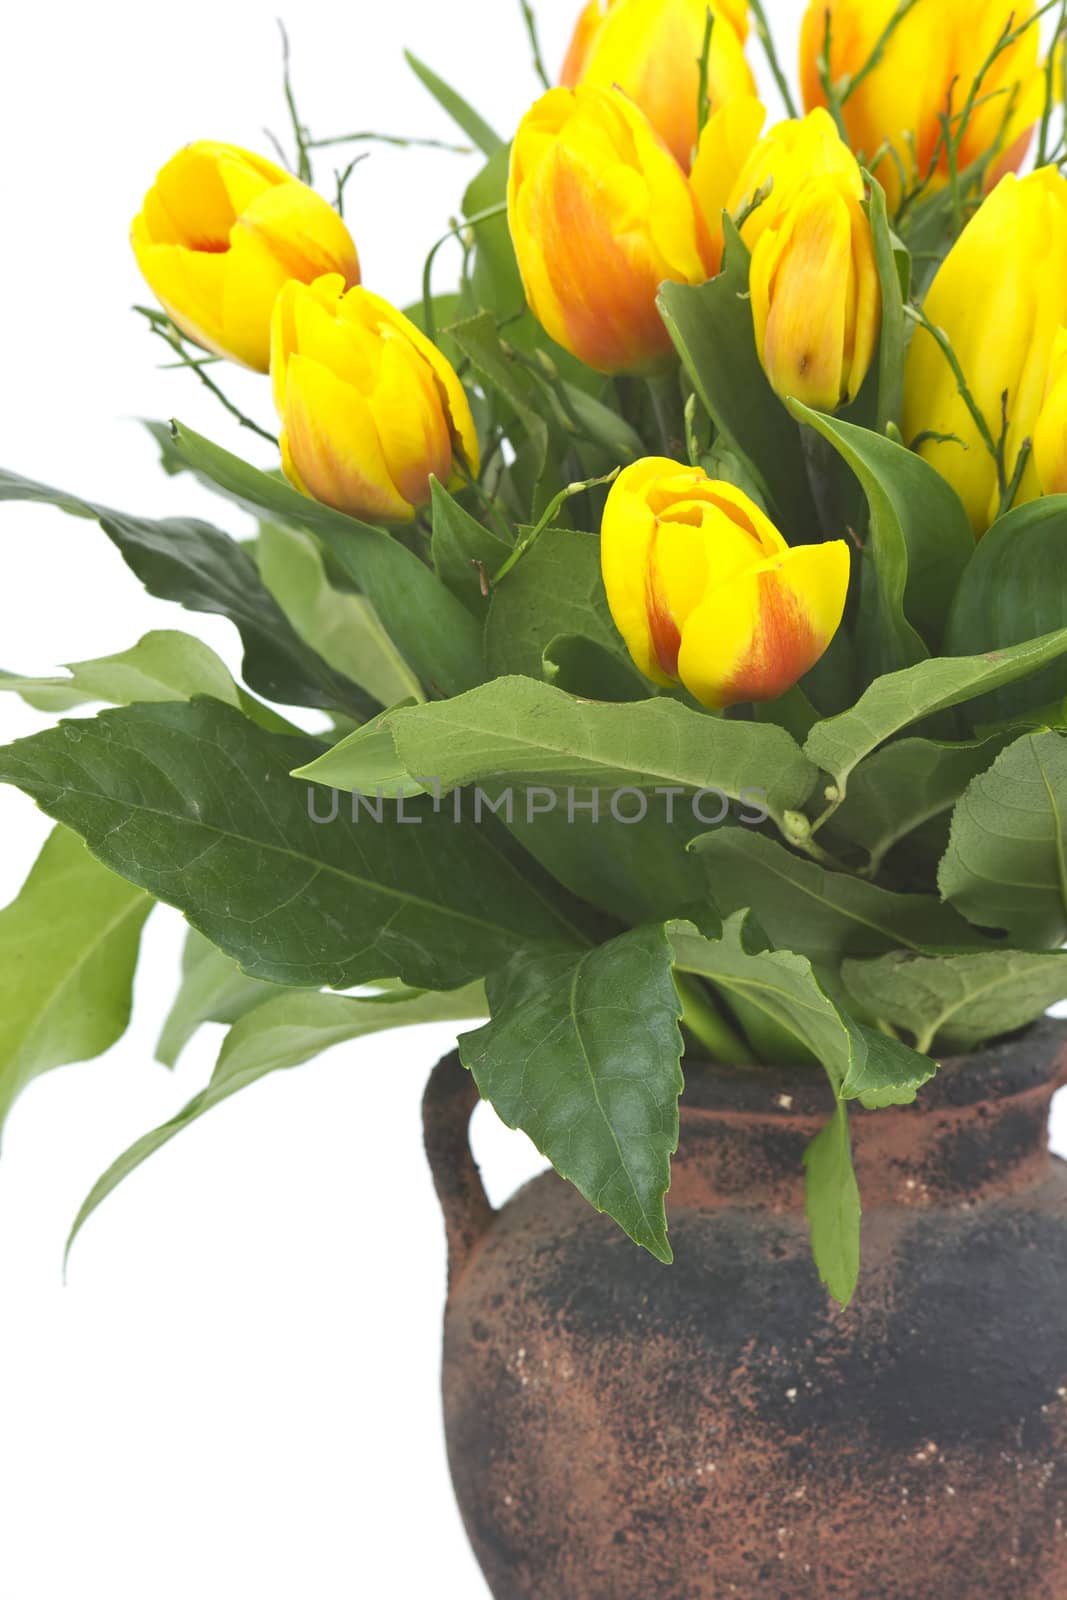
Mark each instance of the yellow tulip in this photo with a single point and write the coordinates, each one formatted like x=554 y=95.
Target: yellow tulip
x=928 y=67
x=370 y=408
x=816 y=298
x=220 y=231
x=1050 y=434
x=1000 y=296
x=601 y=214
x=706 y=592
x=651 y=49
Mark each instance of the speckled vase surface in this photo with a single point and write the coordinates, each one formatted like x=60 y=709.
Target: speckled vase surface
x=619 y=1430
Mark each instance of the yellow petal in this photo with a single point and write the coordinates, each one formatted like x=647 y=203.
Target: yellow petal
x=799 y=284
x=454 y=396
x=334 y=447
x=729 y=138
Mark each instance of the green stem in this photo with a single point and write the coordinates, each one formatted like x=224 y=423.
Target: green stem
x=545 y=521
x=709 y=1027
x=766 y=39
x=669 y=408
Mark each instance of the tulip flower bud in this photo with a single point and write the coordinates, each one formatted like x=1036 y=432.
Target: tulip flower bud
x=651 y=50
x=1000 y=297
x=706 y=592
x=370 y=408
x=219 y=233
x=934 y=55
x=816 y=297
x=1050 y=434
x=601 y=214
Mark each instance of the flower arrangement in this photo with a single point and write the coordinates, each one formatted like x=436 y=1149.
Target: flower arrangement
x=681 y=595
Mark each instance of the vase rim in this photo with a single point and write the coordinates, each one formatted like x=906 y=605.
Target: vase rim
x=1020 y=1064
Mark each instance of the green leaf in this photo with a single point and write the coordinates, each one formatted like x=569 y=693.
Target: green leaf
x=583 y=1055
x=480 y=341
x=518 y=729
x=833 y=1206
x=195 y=804
x=204 y=569
x=906 y=785
x=162 y=666
x=457 y=108
x=919 y=540
x=555 y=589
x=894 y=703
x=464 y=551
x=783 y=988
x=893 y=345
x=828 y=915
x=343 y=627
x=213 y=989
x=68 y=953
x=434 y=633
x=1012 y=590
x=958 y=1002
x=1006 y=864
x=283 y=1033
x=587 y=668
x=712 y=330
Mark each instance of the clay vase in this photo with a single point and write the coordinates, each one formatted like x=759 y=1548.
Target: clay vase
x=619 y=1430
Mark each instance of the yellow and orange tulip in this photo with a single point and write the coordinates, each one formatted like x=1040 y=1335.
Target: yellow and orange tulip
x=221 y=230
x=706 y=592
x=816 y=298
x=1050 y=432
x=928 y=67
x=601 y=214
x=370 y=409
x=650 y=49
x=1001 y=298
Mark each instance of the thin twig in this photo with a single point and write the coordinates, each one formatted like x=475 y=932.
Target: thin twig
x=164 y=329
x=941 y=339
x=535 y=43
x=881 y=44
x=704 y=64
x=300 y=132
x=341 y=179
x=545 y=521
x=766 y=39
x=826 y=76
x=400 y=141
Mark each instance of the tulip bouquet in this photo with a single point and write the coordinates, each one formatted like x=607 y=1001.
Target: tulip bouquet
x=680 y=597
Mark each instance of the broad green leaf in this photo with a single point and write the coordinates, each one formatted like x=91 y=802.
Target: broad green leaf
x=833 y=1206
x=204 y=569
x=518 y=729
x=1006 y=864
x=213 y=989
x=465 y=553
x=343 y=627
x=828 y=915
x=958 y=1002
x=435 y=634
x=583 y=1055
x=587 y=668
x=463 y=115
x=905 y=785
x=555 y=589
x=784 y=988
x=162 y=666
x=919 y=539
x=712 y=330
x=368 y=755
x=283 y=1033
x=894 y=703
x=195 y=804
x=68 y=953
x=1013 y=590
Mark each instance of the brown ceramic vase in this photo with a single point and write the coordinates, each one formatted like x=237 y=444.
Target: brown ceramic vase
x=618 y=1430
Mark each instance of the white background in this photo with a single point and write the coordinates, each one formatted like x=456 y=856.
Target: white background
x=236 y=1395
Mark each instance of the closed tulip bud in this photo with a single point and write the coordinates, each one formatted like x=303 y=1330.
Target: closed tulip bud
x=221 y=230
x=370 y=409
x=1050 y=434
x=706 y=592
x=651 y=50
x=601 y=214
x=926 y=71
x=816 y=297
x=1000 y=297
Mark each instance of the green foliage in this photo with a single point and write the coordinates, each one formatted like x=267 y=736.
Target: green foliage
x=1006 y=867
x=213 y=989
x=195 y=804
x=68 y=952
x=583 y=1055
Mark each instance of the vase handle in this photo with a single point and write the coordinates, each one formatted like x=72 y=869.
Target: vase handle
x=447 y=1106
